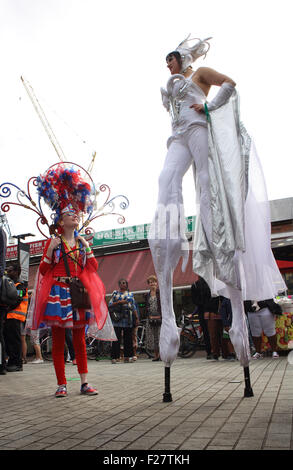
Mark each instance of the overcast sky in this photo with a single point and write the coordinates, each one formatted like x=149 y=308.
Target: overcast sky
x=97 y=68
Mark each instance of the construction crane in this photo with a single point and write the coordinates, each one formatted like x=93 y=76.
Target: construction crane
x=91 y=165
x=44 y=120
x=47 y=125
x=48 y=128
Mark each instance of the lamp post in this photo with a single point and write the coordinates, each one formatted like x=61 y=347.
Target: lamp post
x=23 y=255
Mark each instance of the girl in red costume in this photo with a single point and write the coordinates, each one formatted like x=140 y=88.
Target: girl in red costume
x=51 y=303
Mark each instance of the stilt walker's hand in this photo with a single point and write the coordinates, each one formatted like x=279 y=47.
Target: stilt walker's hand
x=199 y=108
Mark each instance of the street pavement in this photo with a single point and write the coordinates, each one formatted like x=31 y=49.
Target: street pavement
x=208 y=411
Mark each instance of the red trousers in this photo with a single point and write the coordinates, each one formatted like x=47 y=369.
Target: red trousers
x=58 y=342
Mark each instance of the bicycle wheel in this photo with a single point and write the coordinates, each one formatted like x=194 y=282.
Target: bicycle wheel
x=106 y=347
x=141 y=347
x=91 y=348
x=188 y=344
x=46 y=348
x=150 y=352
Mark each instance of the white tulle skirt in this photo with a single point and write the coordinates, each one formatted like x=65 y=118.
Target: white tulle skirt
x=259 y=275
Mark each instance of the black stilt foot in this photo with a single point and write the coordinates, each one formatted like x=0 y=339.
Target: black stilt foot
x=248 y=392
x=167 y=397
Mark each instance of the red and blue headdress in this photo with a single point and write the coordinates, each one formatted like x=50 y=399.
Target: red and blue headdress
x=62 y=187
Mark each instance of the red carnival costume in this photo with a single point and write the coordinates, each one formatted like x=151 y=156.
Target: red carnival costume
x=68 y=190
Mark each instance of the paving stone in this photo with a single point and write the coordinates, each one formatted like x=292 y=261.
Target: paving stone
x=258 y=433
x=225 y=439
x=195 y=444
x=219 y=447
x=280 y=428
x=277 y=441
x=249 y=444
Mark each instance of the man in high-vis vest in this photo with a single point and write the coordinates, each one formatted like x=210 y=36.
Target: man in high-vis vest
x=16 y=315
x=3 y=244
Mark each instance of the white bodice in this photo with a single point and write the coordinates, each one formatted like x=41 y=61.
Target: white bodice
x=179 y=95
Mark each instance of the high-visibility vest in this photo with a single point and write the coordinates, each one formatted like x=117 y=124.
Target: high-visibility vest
x=20 y=312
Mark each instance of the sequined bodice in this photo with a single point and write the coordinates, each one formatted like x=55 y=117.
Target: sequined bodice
x=179 y=95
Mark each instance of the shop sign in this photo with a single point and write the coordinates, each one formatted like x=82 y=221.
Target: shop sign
x=134 y=233
x=106 y=237
x=35 y=248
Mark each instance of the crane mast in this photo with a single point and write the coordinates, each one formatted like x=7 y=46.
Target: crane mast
x=43 y=119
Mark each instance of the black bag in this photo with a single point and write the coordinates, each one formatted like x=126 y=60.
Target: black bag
x=8 y=292
x=115 y=312
x=155 y=321
x=78 y=293
x=273 y=307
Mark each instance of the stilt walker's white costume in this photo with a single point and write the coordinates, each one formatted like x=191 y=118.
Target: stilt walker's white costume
x=232 y=249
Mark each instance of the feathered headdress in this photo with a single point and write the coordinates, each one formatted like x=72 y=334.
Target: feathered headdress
x=190 y=52
x=64 y=186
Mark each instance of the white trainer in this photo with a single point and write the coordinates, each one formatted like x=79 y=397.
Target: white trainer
x=257 y=356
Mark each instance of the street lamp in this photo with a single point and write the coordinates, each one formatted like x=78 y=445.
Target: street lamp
x=23 y=255
x=23 y=236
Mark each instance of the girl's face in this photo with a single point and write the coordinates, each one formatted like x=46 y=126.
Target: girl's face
x=173 y=64
x=70 y=220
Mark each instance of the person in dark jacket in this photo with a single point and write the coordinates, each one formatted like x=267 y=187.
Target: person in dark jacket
x=3 y=310
x=15 y=316
x=213 y=317
x=201 y=294
x=226 y=315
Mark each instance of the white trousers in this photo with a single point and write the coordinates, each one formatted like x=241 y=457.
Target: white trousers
x=262 y=321
x=167 y=234
x=168 y=243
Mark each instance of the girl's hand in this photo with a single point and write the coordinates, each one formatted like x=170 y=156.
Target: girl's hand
x=55 y=242
x=83 y=241
x=199 y=108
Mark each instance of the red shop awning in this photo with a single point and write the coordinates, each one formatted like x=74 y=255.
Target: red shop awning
x=283 y=264
x=135 y=267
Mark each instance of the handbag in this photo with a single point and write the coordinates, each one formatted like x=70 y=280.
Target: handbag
x=8 y=292
x=78 y=293
x=155 y=321
x=115 y=312
x=120 y=311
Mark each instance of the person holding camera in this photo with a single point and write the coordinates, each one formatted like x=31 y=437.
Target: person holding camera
x=124 y=316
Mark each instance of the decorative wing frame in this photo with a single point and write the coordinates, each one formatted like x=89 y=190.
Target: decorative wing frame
x=23 y=198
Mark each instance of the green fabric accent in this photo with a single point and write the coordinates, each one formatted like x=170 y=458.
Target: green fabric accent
x=207 y=113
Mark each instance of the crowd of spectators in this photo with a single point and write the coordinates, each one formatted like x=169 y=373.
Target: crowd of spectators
x=213 y=313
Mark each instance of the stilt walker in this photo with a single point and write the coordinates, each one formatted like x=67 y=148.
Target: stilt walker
x=232 y=250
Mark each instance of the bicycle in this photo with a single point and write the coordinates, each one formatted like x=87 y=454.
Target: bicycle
x=141 y=341
x=97 y=349
x=46 y=346
x=191 y=337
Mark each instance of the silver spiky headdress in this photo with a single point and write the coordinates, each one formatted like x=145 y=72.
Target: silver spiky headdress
x=190 y=52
